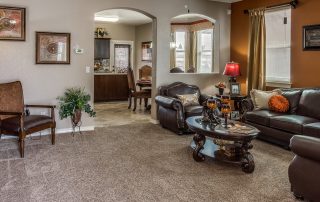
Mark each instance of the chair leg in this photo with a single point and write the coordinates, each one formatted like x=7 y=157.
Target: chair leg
x=21 y=146
x=130 y=100
x=146 y=103
x=53 y=136
x=135 y=104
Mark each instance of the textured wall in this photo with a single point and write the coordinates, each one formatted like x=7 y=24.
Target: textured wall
x=304 y=64
x=43 y=83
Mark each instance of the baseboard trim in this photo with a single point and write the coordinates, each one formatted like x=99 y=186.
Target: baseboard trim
x=47 y=132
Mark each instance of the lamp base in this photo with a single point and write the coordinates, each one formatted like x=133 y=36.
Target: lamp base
x=232 y=80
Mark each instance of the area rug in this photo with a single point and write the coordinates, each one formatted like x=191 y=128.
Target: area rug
x=135 y=163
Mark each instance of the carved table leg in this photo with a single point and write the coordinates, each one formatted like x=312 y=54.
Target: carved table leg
x=199 y=141
x=247 y=162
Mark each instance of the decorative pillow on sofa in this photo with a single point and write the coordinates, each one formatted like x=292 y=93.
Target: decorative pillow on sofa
x=261 y=98
x=189 y=99
x=278 y=103
x=293 y=97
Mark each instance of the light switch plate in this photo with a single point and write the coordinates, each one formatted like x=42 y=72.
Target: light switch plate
x=88 y=69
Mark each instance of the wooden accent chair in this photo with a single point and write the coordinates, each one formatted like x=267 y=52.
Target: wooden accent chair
x=133 y=93
x=145 y=73
x=13 y=119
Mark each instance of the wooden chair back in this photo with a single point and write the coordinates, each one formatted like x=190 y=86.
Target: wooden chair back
x=145 y=73
x=11 y=98
x=131 y=83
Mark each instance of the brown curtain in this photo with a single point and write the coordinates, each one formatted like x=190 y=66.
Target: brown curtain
x=257 y=51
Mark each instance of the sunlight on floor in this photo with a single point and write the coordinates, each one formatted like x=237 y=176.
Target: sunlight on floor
x=117 y=113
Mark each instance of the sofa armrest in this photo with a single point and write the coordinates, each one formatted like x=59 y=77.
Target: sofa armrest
x=168 y=102
x=307 y=147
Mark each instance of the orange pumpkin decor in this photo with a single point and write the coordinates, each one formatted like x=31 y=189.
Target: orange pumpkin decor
x=278 y=103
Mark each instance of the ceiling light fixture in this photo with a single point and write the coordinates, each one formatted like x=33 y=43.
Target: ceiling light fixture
x=106 y=18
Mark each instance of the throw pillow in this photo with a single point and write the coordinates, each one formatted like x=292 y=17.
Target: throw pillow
x=189 y=99
x=261 y=98
x=278 y=103
x=293 y=97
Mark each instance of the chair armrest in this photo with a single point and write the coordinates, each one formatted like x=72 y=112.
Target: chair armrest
x=11 y=113
x=168 y=102
x=305 y=146
x=204 y=98
x=41 y=106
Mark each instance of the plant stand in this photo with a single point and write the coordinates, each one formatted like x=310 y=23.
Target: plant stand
x=76 y=121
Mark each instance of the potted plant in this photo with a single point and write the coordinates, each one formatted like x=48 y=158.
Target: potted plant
x=72 y=103
x=221 y=86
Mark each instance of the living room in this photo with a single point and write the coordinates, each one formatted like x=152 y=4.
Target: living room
x=144 y=161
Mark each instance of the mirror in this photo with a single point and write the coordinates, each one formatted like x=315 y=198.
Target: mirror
x=192 y=44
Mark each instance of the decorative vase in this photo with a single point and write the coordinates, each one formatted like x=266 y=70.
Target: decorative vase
x=221 y=91
x=76 y=117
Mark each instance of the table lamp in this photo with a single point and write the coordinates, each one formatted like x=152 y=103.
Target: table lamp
x=232 y=69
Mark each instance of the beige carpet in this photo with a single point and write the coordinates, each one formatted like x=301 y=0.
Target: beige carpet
x=135 y=163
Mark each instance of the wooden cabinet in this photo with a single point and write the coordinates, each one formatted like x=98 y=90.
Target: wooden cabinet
x=101 y=49
x=110 y=87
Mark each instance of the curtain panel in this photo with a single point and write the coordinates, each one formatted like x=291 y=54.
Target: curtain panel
x=256 y=71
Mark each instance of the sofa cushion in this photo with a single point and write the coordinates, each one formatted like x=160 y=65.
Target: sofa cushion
x=291 y=123
x=312 y=129
x=309 y=103
x=261 y=98
x=293 y=97
x=261 y=117
x=193 y=110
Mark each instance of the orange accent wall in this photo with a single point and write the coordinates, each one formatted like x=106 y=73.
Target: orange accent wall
x=305 y=65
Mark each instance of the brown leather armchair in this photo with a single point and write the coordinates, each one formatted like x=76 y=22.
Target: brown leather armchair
x=13 y=119
x=171 y=113
x=304 y=168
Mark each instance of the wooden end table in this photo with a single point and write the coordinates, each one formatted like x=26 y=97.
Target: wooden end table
x=226 y=144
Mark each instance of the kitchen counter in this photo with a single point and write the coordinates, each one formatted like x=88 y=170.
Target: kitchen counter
x=108 y=73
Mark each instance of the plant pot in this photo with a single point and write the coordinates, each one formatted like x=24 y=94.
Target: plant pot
x=76 y=117
x=221 y=91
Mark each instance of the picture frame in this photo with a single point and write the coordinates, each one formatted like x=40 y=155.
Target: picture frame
x=12 y=23
x=235 y=115
x=52 y=48
x=146 y=51
x=235 y=88
x=311 y=37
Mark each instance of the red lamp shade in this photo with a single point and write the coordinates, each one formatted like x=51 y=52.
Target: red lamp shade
x=232 y=69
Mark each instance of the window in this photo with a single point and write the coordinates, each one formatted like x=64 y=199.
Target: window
x=278 y=44
x=180 y=49
x=204 y=47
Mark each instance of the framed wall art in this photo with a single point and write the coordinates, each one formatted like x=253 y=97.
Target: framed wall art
x=12 y=23
x=235 y=88
x=311 y=37
x=146 y=48
x=52 y=48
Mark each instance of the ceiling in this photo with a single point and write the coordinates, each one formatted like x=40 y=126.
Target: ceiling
x=126 y=16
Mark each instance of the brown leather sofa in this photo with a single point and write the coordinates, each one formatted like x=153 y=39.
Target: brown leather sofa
x=304 y=168
x=303 y=117
x=171 y=113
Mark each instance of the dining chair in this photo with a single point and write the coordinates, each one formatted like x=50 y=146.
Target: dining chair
x=133 y=93
x=145 y=73
x=15 y=120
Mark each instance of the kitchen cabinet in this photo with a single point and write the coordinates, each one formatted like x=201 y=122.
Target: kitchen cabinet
x=101 y=48
x=110 y=87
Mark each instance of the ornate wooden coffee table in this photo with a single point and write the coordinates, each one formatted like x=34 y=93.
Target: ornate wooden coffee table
x=230 y=144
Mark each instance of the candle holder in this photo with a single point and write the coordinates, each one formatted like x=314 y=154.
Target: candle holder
x=225 y=109
x=210 y=113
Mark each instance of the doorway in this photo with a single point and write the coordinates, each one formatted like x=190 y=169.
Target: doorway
x=126 y=32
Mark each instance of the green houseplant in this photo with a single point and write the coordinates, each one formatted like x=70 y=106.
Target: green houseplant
x=72 y=103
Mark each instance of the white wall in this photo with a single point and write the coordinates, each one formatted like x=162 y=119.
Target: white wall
x=43 y=83
x=143 y=34
x=118 y=31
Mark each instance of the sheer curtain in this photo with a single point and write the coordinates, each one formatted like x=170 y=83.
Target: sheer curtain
x=257 y=51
